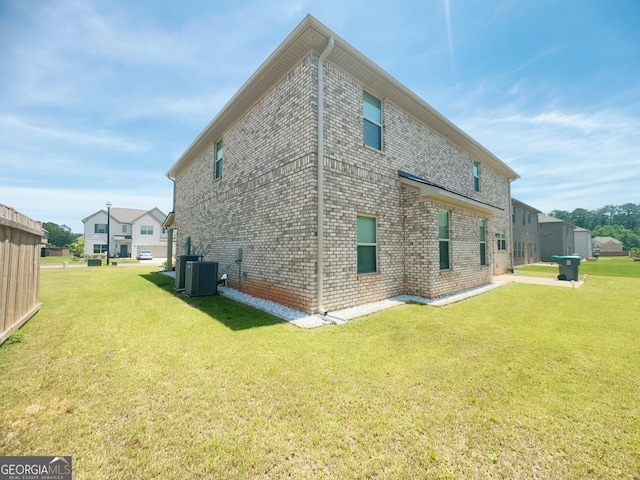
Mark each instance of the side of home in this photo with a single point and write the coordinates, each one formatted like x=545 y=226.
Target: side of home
x=556 y=238
x=526 y=235
x=402 y=201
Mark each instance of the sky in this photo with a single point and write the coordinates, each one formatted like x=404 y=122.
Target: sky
x=99 y=98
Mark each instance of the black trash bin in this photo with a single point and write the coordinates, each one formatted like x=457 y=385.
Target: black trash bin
x=568 y=266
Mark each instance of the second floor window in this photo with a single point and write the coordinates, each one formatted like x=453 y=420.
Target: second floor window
x=100 y=228
x=372 y=112
x=124 y=229
x=146 y=229
x=476 y=177
x=219 y=153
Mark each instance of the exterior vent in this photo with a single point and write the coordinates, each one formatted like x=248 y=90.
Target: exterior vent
x=181 y=266
x=201 y=278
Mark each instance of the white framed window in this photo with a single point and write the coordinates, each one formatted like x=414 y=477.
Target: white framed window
x=367 y=244
x=219 y=155
x=124 y=229
x=483 y=241
x=501 y=237
x=100 y=228
x=444 y=237
x=476 y=177
x=146 y=229
x=372 y=113
x=99 y=248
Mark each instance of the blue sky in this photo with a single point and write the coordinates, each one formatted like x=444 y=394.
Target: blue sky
x=100 y=98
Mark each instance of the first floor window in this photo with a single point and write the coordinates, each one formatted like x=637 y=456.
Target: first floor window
x=98 y=248
x=483 y=242
x=367 y=245
x=219 y=153
x=100 y=228
x=146 y=229
x=444 y=237
x=501 y=237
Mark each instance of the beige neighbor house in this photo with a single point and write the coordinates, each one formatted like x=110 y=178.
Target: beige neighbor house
x=583 y=242
x=604 y=245
x=340 y=186
x=131 y=230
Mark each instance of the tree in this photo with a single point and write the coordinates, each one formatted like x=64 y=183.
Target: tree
x=59 y=235
x=561 y=214
x=77 y=249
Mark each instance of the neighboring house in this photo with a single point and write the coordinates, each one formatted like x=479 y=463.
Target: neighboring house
x=526 y=240
x=582 y=239
x=325 y=183
x=556 y=238
x=607 y=245
x=131 y=230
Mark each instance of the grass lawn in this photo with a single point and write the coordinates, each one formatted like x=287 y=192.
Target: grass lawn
x=135 y=382
x=71 y=260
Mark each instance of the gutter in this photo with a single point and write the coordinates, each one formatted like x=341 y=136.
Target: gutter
x=320 y=159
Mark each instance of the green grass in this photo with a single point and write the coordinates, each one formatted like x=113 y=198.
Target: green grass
x=135 y=382
x=612 y=267
x=71 y=260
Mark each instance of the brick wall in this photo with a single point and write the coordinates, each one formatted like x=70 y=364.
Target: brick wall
x=265 y=202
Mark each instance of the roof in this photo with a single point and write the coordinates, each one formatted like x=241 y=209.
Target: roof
x=129 y=215
x=606 y=240
x=438 y=192
x=524 y=205
x=312 y=35
x=580 y=229
x=548 y=219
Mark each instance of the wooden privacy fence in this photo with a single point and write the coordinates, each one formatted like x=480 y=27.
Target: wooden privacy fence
x=20 y=239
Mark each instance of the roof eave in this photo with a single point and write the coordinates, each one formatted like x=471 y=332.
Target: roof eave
x=313 y=35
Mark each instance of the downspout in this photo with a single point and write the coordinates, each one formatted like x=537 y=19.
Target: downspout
x=169 y=267
x=511 y=229
x=320 y=159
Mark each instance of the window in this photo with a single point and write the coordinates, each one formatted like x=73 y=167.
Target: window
x=476 y=176
x=124 y=229
x=98 y=248
x=443 y=235
x=483 y=242
x=529 y=218
x=513 y=214
x=146 y=229
x=100 y=228
x=219 y=154
x=501 y=236
x=372 y=111
x=524 y=216
x=367 y=255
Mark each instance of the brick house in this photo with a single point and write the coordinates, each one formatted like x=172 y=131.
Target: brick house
x=131 y=230
x=556 y=238
x=340 y=186
x=526 y=238
x=607 y=245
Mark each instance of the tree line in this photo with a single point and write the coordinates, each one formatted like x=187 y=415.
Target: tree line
x=621 y=222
